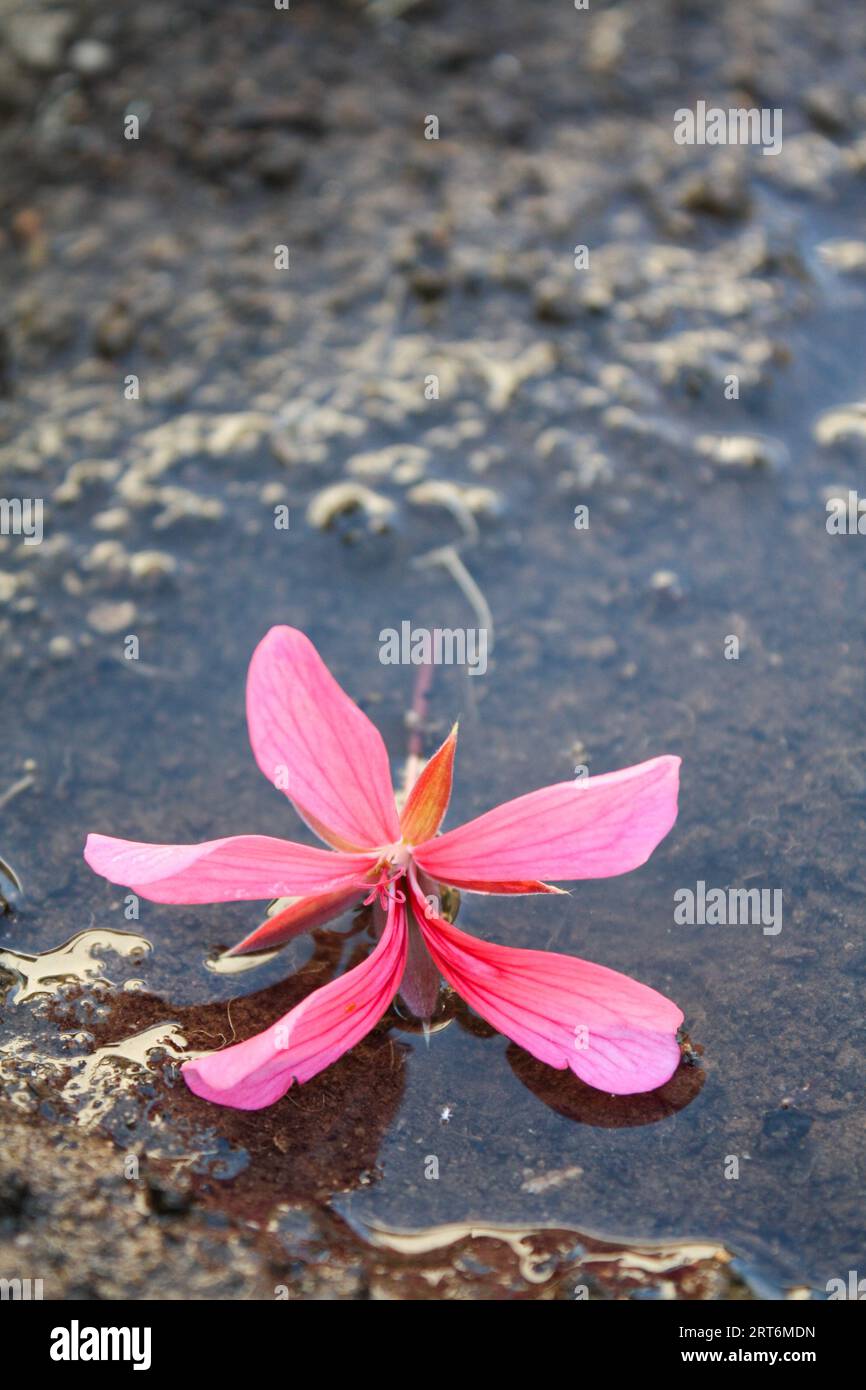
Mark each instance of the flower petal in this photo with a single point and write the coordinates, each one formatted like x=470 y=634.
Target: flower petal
x=590 y=828
x=613 y=1032
x=309 y=1037
x=222 y=871
x=314 y=743
x=428 y=800
x=509 y=887
x=300 y=916
x=419 y=987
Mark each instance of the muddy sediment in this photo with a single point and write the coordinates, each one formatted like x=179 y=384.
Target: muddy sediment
x=221 y=443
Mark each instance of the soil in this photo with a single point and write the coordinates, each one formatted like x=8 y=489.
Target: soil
x=281 y=295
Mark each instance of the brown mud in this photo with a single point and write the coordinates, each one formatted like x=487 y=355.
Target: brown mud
x=261 y=388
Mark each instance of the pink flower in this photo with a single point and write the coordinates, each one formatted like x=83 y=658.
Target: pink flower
x=312 y=741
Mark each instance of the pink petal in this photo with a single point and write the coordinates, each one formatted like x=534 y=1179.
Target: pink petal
x=314 y=743
x=311 y=1036
x=221 y=871
x=589 y=828
x=613 y=1032
x=301 y=916
x=509 y=888
x=427 y=802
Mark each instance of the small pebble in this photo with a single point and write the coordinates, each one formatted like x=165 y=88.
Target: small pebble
x=667 y=583
x=108 y=618
x=326 y=506
x=90 y=57
x=151 y=564
x=60 y=648
x=114 y=519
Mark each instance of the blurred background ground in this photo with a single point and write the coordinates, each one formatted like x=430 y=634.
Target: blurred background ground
x=258 y=387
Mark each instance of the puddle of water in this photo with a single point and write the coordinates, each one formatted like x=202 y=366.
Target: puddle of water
x=661 y=1260
x=77 y=962
x=82 y=1093
x=707 y=520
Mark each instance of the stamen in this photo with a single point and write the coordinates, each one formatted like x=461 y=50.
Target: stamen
x=386 y=890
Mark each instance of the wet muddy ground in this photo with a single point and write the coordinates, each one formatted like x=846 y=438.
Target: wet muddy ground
x=257 y=388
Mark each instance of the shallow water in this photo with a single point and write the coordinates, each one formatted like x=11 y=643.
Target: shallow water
x=408 y=258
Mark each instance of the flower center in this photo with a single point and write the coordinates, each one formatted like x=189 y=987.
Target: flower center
x=392 y=866
x=399 y=854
